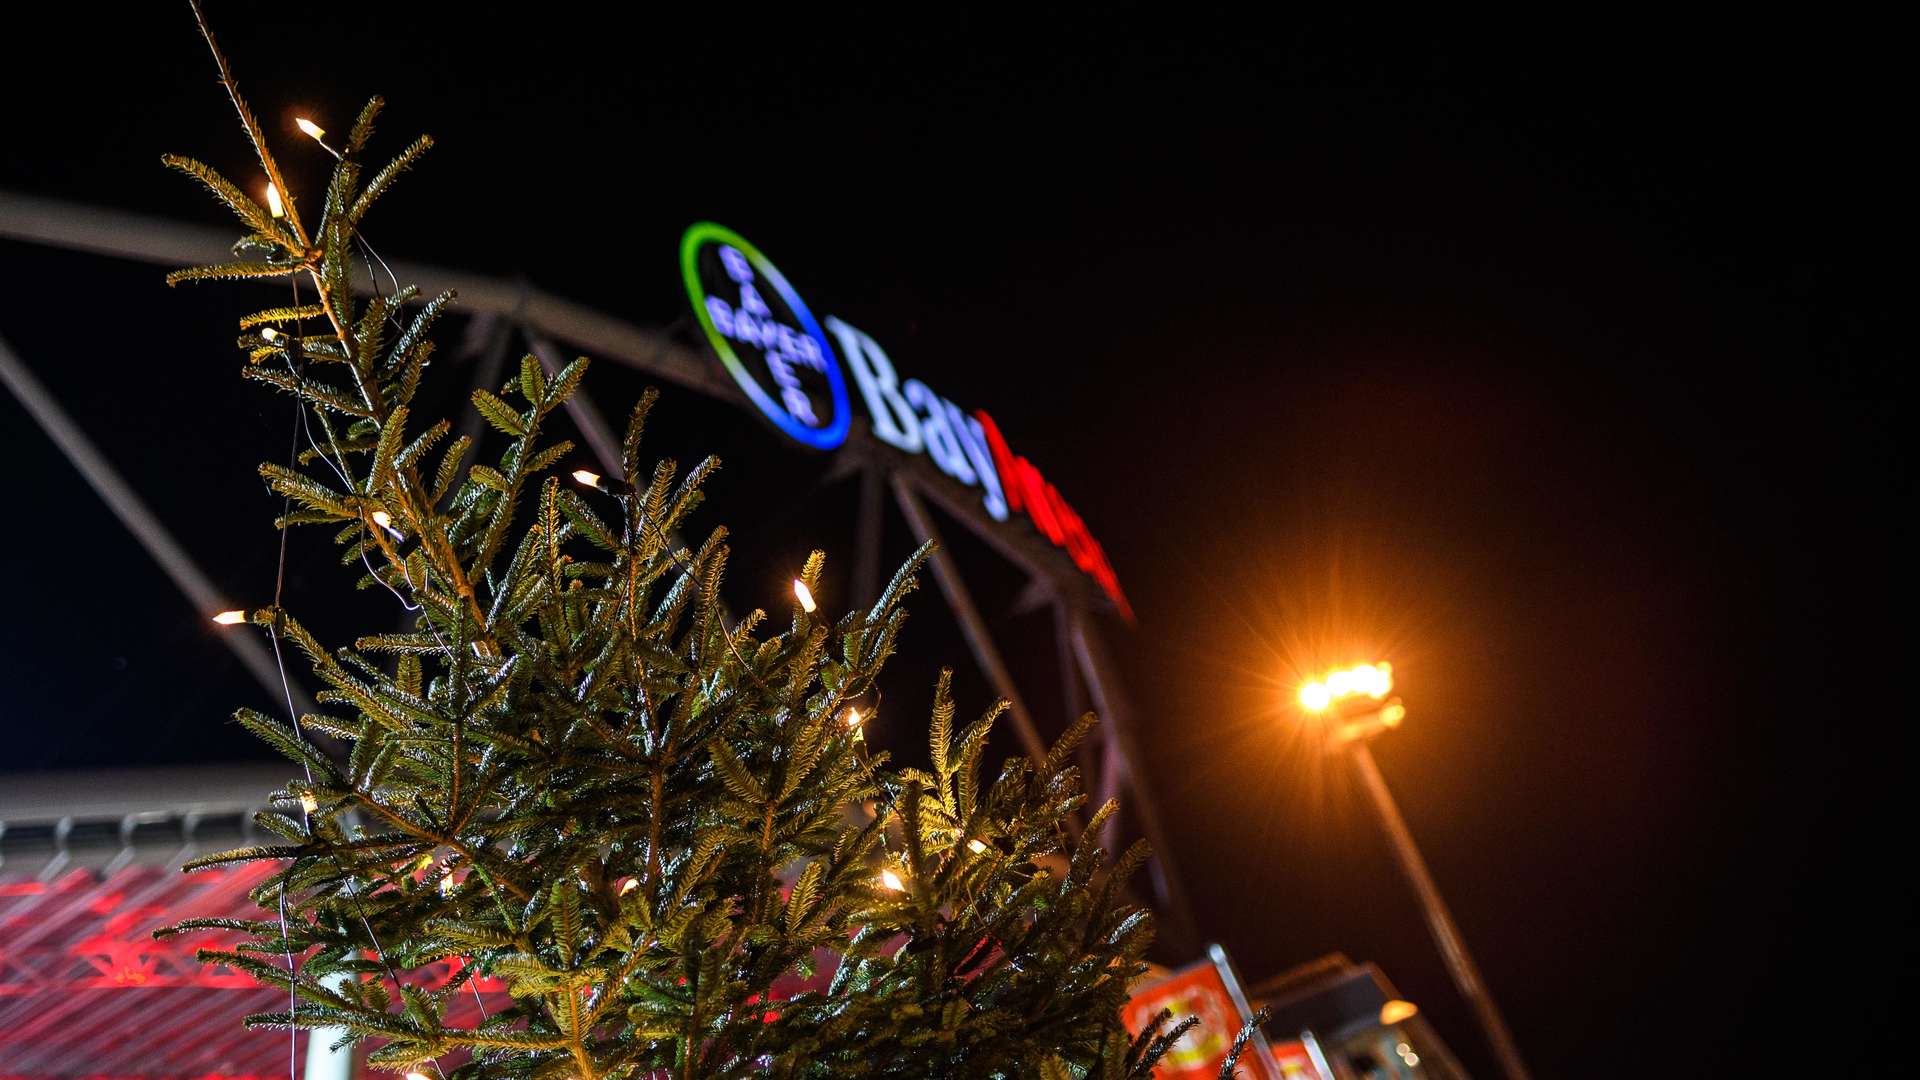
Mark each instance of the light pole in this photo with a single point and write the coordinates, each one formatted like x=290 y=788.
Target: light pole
x=1357 y=697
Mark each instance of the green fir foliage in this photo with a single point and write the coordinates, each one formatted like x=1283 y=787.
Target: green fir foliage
x=576 y=774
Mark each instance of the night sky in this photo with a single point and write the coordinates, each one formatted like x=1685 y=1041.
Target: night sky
x=1538 y=358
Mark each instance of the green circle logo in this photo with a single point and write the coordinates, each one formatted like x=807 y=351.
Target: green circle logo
x=766 y=337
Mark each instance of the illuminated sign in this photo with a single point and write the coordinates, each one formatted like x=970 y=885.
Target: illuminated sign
x=1209 y=992
x=768 y=340
x=765 y=336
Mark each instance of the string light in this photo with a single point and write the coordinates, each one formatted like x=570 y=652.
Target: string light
x=269 y=334
x=976 y=847
x=854 y=720
x=308 y=802
x=446 y=884
x=316 y=133
x=891 y=880
x=231 y=618
x=629 y=885
x=274 y=205
x=412 y=1074
x=587 y=477
x=381 y=519
x=804 y=595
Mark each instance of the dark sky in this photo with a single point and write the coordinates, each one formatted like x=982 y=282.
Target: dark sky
x=1537 y=357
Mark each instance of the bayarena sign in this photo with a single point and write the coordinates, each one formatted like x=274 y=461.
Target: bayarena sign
x=772 y=345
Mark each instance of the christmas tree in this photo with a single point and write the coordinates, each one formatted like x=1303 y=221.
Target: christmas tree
x=576 y=774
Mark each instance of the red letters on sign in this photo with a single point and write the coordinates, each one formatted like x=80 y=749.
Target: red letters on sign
x=1028 y=491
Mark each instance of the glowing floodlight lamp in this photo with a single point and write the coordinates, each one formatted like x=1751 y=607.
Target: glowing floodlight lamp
x=1367 y=680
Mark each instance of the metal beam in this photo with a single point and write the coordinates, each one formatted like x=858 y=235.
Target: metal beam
x=971 y=624
x=133 y=512
x=866 y=537
x=1170 y=895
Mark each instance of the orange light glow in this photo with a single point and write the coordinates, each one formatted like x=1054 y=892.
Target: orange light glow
x=1366 y=680
x=854 y=719
x=230 y=618
x=891 y=880
x=308 y=803
x=1315 y=697
x=1396 y=1010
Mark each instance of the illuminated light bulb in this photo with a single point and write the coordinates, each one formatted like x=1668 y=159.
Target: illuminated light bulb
x=854 y=719
x=316 y=133
x=1386 y=678
x=308 y=803
x=1397 y=1010
x=412 y=1074
x=1392 y=715
x=269 y=334
x=804 y=595
x=274 y=205
x=976 y=847
x=891 y=880
x=1315 y=696
x=446 y=885
x=230 y=618
x=1364 y=679
x=1340 y=684
x=381 y=519
x=587 y=477
x=629 y=885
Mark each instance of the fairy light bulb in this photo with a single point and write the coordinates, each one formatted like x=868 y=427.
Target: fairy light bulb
x=891 y=880
x=382 y=519
x=629 y=885
x=446 y=885
x=316 y=133
x=587 y=477
x=274 y=205
x=231 y=618
x=976 y=847
x=308 y=803
x=804 y=595
x=269 y=334
x=854 y=719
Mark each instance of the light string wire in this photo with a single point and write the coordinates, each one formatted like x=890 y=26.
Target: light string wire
x=304 y=430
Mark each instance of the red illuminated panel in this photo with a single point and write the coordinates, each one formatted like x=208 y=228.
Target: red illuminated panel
x=1029 y=492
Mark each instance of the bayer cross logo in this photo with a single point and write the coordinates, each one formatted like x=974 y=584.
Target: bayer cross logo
x=765 y=336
